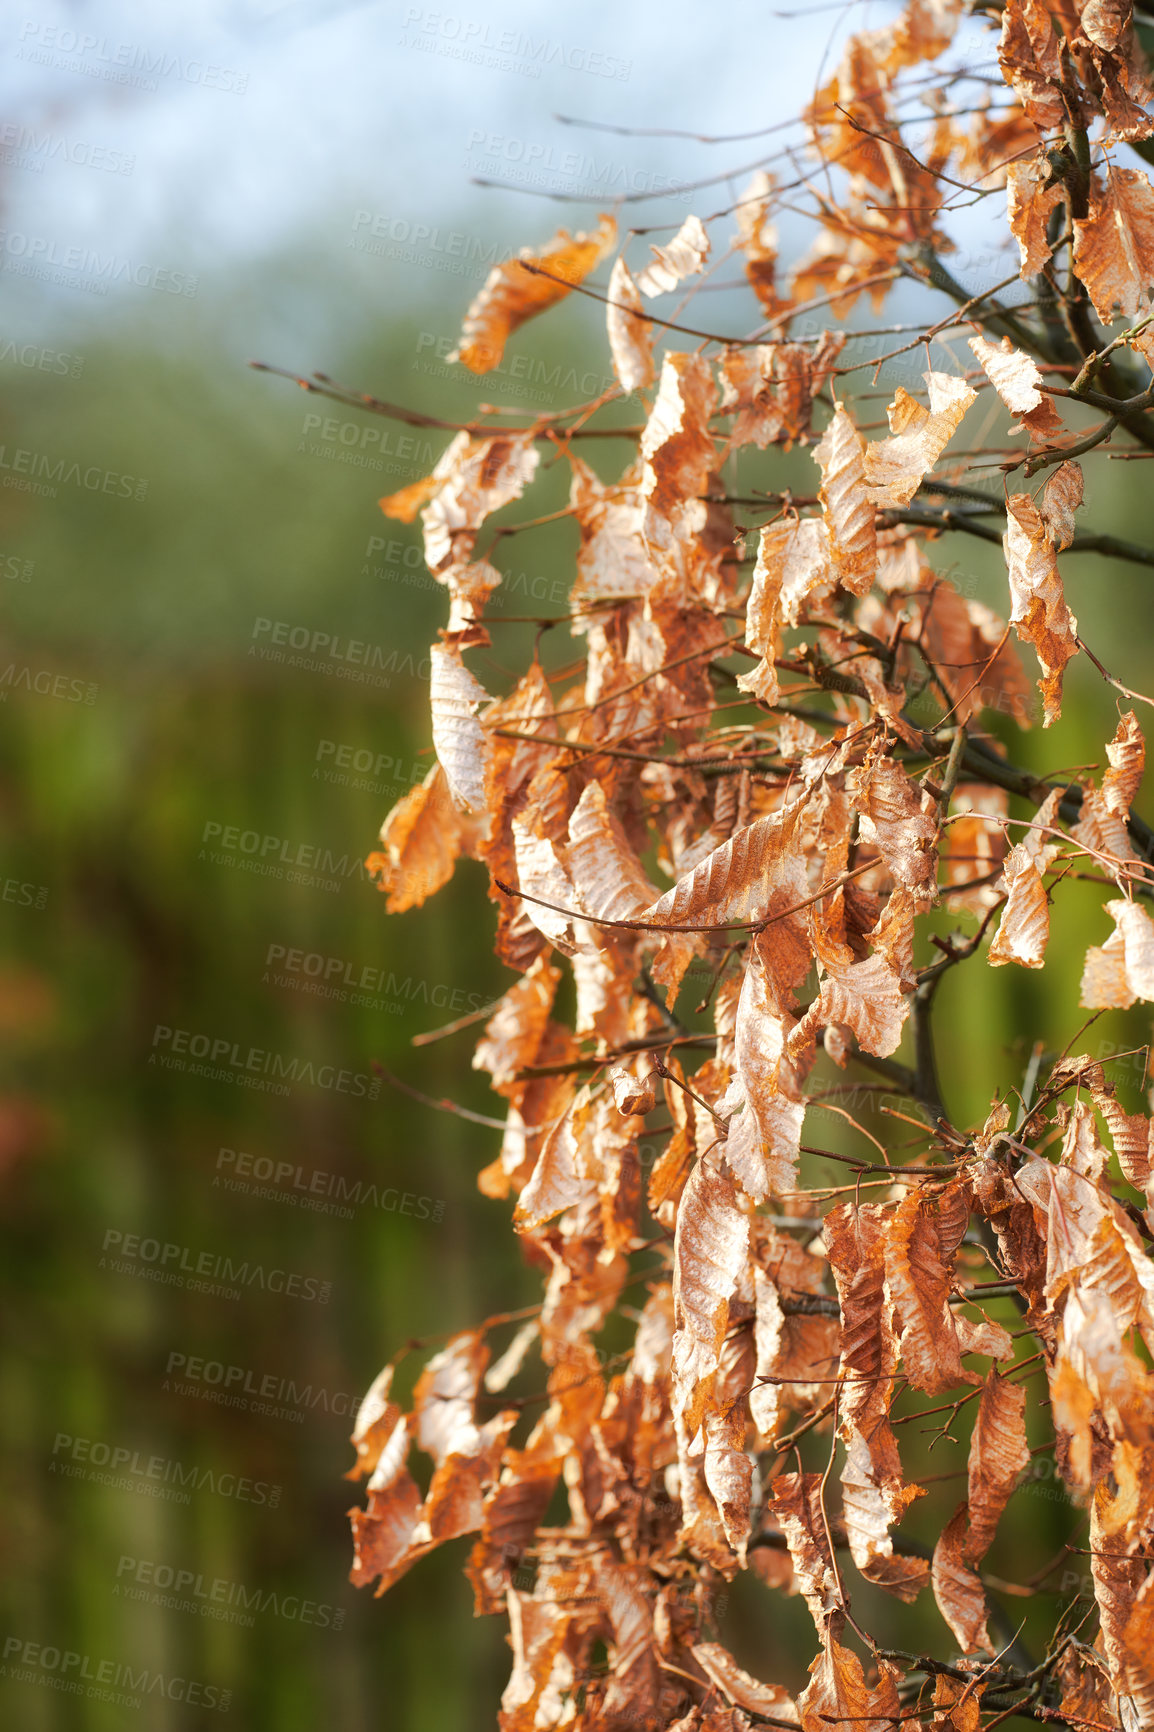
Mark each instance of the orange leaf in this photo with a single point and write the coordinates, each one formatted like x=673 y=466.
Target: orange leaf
x=896 y=467
x=512 y=294
x=1114 y=242
x=1038 y=606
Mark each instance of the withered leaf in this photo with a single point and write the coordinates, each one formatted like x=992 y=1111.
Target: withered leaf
x=1016 y=379
x=738 y=1687
x=1031 y=196
x=512 y=294
x=896 y=467
x=737 y=881
x=1121 y=970
x=421 y=840
x=459 y=738
x=796 y=1506
x=710 y=1251
x=630 y=335
x=851 y=516
x=1025 y=928
x=998 y=1455
x=957 y=1588
x=919 y=1276
x=1038 y=606
x=1114 y=242
x=683 y=257
x=837 y=1694
x=1061 y=497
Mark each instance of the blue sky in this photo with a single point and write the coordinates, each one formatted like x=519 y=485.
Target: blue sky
x=281 y=124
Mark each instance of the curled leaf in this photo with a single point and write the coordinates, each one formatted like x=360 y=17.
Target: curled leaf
x=683 y=257
x=630 y=335
x=896 y=467
x=512 y=294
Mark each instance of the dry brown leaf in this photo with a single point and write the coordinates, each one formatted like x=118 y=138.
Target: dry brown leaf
x=729 y=1472
x=634 y=1091
x=896 y=467
x=473 y=478
x=607 y=875
x=837 y=1694
x=999 y=1454
x=921 y=1246
x=739 y=880
x=421 y=840
x=738 y=1687
x=762 y=626
x=851 y=517
x=445 y=1394
x=375 y=1424
x=630 y=334
x=711 y=1247
x=793 y=564
x=1038 y=609
x=1025 y=927
x=513 y=1034
x=796 y=1507
x=902 y=819
x=1016 y=379
x=864 y=996
x=1031 y=196
x=683 y=257
x=1114 y=243
x=777 y=959
x=1061 y=497
x=679 y=460
x=868 y=1508
x=557 y=1182
x=511 y=294
x=1122 y=969
x=405 y=504
x=757 y=238
x=957 y=1588
x=1030 y=56
x=458 y=737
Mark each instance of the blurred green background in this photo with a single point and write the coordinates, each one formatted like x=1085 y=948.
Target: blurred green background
x=138 y=728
